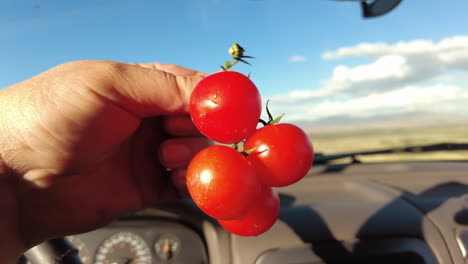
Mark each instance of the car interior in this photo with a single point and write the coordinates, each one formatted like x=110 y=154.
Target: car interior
x=345 y=213
x=345 y=210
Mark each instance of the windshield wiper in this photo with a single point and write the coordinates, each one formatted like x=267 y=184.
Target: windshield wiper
x=323 y=159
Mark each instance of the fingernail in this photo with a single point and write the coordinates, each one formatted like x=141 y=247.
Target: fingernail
x=175 y=153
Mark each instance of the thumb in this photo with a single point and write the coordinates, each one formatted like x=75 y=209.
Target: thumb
x=147 y=89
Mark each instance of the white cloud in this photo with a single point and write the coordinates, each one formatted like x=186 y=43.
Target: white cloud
x=297 y=58
x=412 y=98
x=301 y=95
x=417 y=75
x=388 y=68
x=397 y=65
x=436 y=98
x=443 y=49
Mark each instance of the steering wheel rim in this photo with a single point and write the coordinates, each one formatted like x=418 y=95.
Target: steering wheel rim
x=54 y=251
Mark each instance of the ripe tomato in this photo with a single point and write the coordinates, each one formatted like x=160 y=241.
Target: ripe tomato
x=222 y=182
x=261 y=216
x=226 y=107
x=283 y=154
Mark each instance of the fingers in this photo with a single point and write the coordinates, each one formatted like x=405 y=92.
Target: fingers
x=171 y=68
x=178 y=179
x=180 y=126
x=143 y=91
x=178 y=160
x=178 y=152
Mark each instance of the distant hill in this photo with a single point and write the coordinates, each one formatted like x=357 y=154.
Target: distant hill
x=378 y=122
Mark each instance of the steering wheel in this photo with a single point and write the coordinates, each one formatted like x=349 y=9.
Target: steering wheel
x=54 y=251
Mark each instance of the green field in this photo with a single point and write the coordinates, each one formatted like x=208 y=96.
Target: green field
x=368 y=140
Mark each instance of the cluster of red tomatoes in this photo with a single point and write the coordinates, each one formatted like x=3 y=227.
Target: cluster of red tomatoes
x=236 y=187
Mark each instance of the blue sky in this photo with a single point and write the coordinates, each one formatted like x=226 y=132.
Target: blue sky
x=290 y=38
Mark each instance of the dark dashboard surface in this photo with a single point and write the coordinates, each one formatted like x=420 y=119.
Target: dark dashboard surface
x=359 y=213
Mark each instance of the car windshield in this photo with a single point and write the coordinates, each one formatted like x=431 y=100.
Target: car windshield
x=352 y=83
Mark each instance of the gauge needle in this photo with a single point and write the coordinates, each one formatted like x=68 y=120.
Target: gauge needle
x=167 y=246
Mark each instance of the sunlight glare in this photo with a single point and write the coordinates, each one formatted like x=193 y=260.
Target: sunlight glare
x=206 y=177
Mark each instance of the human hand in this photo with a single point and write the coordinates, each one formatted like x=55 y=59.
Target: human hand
x=88 y=141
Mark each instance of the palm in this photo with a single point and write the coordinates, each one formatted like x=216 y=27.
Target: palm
x=92 y=159
x=103 y=176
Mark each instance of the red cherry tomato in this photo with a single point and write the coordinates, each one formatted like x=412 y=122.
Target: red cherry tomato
x=261 y=216
x=283 y=154
x=222 y=182
x=226 y=107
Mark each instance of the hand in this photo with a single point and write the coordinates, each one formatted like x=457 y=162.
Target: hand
x=88 y=141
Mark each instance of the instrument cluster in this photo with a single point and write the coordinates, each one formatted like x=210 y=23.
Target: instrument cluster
x=142 y=242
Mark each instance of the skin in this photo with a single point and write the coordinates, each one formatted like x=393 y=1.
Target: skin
x=88 y=141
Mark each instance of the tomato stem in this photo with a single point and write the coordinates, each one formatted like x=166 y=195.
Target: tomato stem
x=263 y=122
x=272 y=121
x=239 y=146
x=249 y=151
x=237 y=53
x=276 y=120
x=234 y=146
x=270 y=117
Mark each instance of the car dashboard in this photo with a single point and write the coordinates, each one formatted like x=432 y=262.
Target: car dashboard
x=412 y=212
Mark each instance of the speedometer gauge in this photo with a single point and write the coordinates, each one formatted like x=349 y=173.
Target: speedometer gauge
x=83 y=251
x=167 y=246
x=124 y=247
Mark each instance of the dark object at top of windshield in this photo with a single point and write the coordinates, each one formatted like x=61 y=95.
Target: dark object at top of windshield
x=375 y=8
x=323 y=159
x=378 y=7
